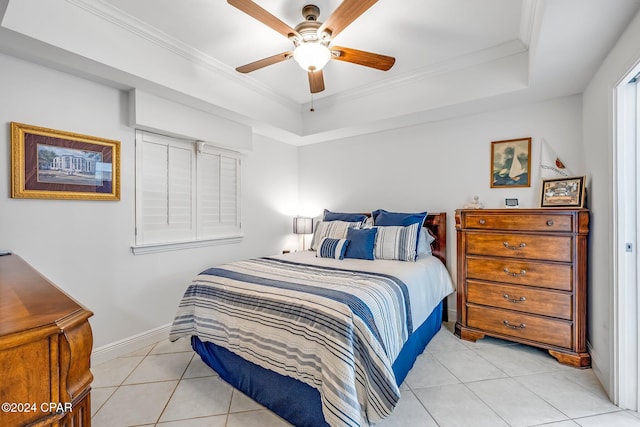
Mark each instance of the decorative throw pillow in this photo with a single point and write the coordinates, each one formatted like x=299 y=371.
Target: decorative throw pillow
x=361 y=243
x=332 y=248
x=343 y=216
x=425 y=239
x=397 y=243
x=385 y=218
x=331 y=229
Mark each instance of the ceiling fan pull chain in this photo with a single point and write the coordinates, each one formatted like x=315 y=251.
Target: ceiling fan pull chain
x=312 y=109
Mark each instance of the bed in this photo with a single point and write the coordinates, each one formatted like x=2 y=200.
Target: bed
x=319 y=341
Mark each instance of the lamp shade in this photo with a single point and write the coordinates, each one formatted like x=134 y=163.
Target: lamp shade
x=312 y=56
x=302 y=225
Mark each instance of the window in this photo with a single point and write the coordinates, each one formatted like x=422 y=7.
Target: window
x=187 y=194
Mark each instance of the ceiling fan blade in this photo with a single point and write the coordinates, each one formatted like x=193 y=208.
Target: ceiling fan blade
x=262 y=15
x=345 y=14
x=316 y=81
x=261 y=63
x=360 y=57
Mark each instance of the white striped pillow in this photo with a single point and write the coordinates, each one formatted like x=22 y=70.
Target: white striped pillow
x=331 y=229
x=332 y=248
x=396 y=243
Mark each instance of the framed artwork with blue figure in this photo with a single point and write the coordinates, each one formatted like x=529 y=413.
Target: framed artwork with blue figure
x=511 y=163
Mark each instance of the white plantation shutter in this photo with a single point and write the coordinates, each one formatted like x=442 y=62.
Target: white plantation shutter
x=184 y=194
x=229 y=190
x=218 y=193
x=209 y=191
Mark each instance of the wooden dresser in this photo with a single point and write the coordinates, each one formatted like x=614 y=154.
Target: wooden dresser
x=522 y=276
x=45 y=350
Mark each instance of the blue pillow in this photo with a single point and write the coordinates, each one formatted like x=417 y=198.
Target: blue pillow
x=400 y=219
x=332 y=248
x=342 y=216
x=361 y=243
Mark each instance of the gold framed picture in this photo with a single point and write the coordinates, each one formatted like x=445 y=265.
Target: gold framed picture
x=511 y=163
x=563 y=192
x=54 y=164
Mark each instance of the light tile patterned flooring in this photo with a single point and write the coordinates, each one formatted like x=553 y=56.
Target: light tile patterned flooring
x=490 y=383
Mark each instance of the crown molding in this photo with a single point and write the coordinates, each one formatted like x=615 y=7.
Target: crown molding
x=143 y=30
x=513 y=47
x=152 y=34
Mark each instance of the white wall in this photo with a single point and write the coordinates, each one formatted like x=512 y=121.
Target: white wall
x=84 y=246
x=598 y=132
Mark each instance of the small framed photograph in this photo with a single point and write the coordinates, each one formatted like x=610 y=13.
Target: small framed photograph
x=511 y=163
x=511 y=203
x=563 y=192
x=54 y=164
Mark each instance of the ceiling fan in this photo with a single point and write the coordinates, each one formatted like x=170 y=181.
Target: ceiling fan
x=312 y=38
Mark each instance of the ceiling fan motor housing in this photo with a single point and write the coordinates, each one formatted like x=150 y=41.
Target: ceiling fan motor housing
x=308 y=29
x=310 y=12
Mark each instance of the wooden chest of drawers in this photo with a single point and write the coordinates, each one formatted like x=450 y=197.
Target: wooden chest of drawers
x=522 y=276
x=45 y=351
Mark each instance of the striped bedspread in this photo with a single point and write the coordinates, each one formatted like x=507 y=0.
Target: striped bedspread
x=338 y=331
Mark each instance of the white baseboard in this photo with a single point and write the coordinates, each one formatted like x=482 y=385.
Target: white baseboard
x=129 y=345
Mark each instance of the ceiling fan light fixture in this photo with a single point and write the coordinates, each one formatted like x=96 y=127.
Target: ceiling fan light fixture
x=312 y=38
x=312 y=56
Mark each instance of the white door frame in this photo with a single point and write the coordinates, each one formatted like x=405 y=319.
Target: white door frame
x=626 y=298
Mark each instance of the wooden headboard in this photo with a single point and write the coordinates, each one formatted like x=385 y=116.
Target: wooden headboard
x=437 y=223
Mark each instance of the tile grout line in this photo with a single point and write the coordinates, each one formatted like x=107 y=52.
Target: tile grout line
x=465 y=384
x=556 y=371
x=425 y=408
x=106 y=400
x=588 y=390
x=117 y=387
x=164 y=408
x=477 y=353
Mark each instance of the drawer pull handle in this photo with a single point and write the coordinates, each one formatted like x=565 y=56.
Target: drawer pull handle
x=509 y=325
x=549 y=222
x=514 y=300
x=514 y=248
x=509 y=273
x=482 y=222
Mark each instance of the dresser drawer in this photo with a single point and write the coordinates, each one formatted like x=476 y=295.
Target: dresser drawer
x=531 y=273
x=545 y=330
x=520 y=298
x=528 y=246
x=520 y=222
x=24 y=371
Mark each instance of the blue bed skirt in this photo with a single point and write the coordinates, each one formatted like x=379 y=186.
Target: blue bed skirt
x=291 y=399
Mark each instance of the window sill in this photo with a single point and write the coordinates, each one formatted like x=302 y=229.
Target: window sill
x=176 y=246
